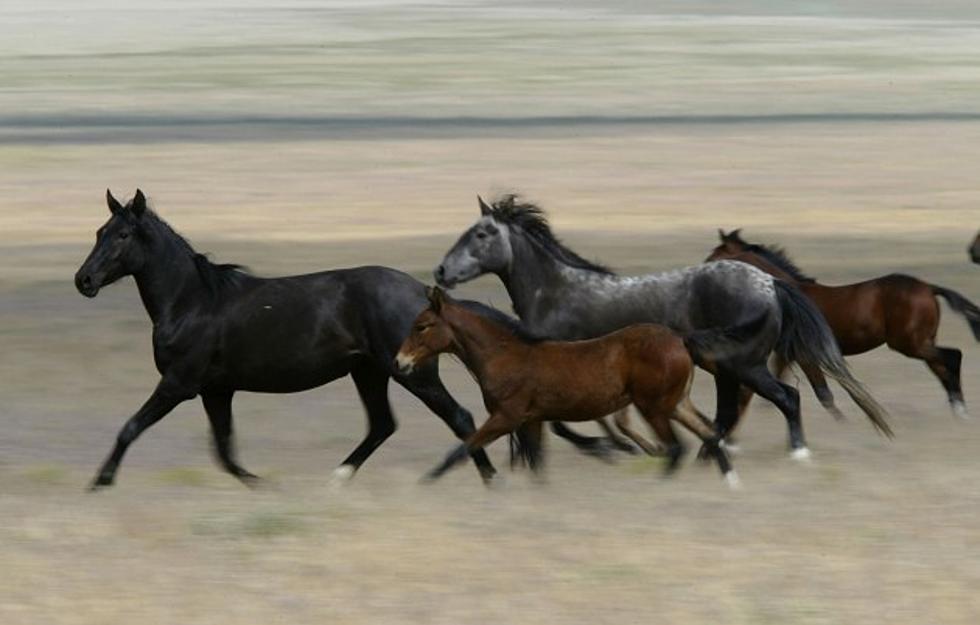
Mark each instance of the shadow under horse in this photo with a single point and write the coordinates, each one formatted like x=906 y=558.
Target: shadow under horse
x=896 y=310
x=218 y=330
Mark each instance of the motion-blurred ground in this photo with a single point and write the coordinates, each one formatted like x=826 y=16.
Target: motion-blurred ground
x=199 y=108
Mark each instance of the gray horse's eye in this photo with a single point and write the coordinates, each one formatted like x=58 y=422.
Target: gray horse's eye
x=481 y=235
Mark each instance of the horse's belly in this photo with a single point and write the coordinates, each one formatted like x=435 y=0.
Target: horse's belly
x=280 y=377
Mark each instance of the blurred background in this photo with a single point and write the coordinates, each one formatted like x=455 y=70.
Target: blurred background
x=294 y=137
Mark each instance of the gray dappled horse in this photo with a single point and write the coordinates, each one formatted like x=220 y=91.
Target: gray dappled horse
x=558 y=294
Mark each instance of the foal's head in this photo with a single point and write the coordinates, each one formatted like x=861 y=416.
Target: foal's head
x=119 y=249
x=431 y=335
x=730 y=247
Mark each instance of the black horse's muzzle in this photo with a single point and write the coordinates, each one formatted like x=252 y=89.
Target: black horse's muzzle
x=86 y=284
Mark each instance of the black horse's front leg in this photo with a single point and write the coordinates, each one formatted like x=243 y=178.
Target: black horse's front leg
x=217 y=405
x=597 y=446
x=164 y=399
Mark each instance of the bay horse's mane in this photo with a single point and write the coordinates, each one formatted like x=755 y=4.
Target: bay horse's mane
x=775 y=255
x=513 y=325
x=513 y=210
x=218 y=278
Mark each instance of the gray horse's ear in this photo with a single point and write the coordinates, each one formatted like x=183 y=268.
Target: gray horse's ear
x=484 y=209
x=114 y=206
x=138 y=205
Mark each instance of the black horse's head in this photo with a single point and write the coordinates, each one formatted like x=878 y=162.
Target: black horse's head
x=119 y=249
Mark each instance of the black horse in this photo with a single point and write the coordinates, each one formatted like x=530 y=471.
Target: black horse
x=217 y=330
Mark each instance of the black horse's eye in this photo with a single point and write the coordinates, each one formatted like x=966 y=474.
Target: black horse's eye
x=123 y=235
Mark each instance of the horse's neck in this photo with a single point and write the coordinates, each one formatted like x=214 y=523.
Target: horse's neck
x=765 y=265
x=168 y=281
x=479 y=341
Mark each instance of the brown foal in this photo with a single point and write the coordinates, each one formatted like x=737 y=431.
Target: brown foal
x=895 y=310
x=526 y=380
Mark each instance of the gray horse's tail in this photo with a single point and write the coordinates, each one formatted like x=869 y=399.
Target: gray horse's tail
x=726 y=342
x=806 y=338
x=961 y=305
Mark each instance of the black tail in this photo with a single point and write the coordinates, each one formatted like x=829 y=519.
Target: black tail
x=806 y=338
x=523 y=450
x=961 y=305
x=723 y=343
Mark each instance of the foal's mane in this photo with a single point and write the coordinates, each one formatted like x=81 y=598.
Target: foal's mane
x=498 y=316
x=218 y=278
x=777 y=256
x=513 y=210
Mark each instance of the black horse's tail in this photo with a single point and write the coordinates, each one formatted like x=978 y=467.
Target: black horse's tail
x=961 y=305
x=806 y=338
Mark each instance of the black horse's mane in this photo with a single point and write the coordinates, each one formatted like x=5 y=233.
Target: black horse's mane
x=513 y=210
x=513 y=325
x=218 y=278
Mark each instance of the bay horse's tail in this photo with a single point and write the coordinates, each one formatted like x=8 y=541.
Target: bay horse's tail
x=806 y=338
x=961 y=305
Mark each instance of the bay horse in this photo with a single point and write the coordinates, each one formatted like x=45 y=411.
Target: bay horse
x=218 y=330
x=559 y=294
x=896 y=310
x=526 y=380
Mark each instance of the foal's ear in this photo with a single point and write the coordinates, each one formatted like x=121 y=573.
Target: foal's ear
x=138 y=205
x=436 y=297
x=114 y=206
x=484 y=209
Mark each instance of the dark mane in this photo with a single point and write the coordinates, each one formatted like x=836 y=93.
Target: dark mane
x=777 y=256
x=514 y=325
x=219 y=279
x=511 y=209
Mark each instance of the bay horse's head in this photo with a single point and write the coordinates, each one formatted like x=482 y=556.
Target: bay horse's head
x=483 y=248
x=119 y=247
x=975 y=250
x=730 y=247
x=430 y=336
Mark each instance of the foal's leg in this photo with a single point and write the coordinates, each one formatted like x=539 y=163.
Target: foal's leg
x=495 y=427
x=622 y=419
x=426 y=385
x=217 y=404
x=167 y=395
x=617 y=441
x=659 y=421
x=786 y=398
x=372 y=386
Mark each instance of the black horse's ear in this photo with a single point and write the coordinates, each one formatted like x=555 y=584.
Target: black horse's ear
x=484 y=209
x=436 y=297
x=114 y=206
x=138 y=205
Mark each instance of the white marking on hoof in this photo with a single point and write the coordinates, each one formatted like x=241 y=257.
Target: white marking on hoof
x=342 y=475
x=732 y=448
x=802 y=454
x=959 y=410
x=731 y=478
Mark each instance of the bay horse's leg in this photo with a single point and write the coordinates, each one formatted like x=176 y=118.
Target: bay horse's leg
x=688 y=416
x=819 y=384
x=372 y=386
x=428 y=387
x=945 y=363
x=217 y=405
x=659 y=421
x=164 y=399
x=622 y=418
x=495 y=427
x=786 y=398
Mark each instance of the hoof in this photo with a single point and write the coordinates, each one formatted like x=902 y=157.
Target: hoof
x=801 y=454
x=959 y=410
x=341 y=475
x=835 y=412
x=734 y=483
x=625 y=447
x=600 y=450
x=250 y=480
x=100 y=483
x=732 y=447
x=704 y=454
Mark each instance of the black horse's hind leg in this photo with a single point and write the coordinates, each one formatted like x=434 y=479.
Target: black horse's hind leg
x=786 y=398
x=426 y=385
x=372 y=386
x=164 y=399
x=596 y=446
x=217 y=404
x=727 y=393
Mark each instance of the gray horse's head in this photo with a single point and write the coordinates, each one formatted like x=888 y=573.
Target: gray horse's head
x=484 y=248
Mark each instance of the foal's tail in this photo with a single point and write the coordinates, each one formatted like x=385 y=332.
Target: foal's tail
x=961 y=305
x=806 y=338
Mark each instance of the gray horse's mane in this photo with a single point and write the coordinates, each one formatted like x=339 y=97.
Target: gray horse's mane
x=513 y=210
